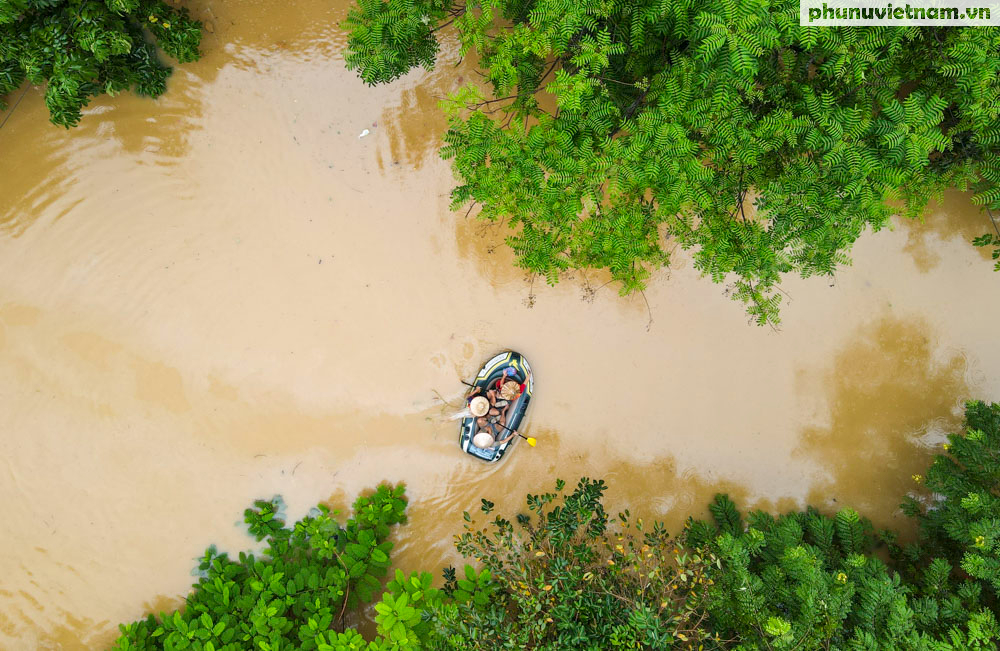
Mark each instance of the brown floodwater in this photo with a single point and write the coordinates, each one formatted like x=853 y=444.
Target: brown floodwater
x=227 y=294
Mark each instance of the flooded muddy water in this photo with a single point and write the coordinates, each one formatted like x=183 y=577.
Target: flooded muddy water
x=228 y=294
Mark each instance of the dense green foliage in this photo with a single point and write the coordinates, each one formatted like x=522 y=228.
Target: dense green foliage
x=294 y=595
x=563 y=575
x=811 y=581
x=616 y=126
x=961 y=522
x=82 y=48
x=803 y=580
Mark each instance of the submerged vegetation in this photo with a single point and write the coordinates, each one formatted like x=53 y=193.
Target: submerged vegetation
x=605 y=126
x=566 y=575
x=82 y=48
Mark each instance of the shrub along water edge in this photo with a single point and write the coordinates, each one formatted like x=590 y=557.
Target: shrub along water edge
x=566 y=575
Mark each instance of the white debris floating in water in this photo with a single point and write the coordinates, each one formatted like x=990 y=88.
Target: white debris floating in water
x=363 y=134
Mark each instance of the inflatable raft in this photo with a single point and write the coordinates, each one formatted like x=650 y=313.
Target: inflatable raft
x=492 y=371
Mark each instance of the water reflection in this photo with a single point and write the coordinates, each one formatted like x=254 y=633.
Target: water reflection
x=956 y=217
x=890 y=397
x=258 y=33
x=137 y=141
x=130 y=140
x=483 y=244
x=415 y=124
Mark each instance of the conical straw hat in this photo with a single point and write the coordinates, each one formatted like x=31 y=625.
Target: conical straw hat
x=479 y=406
x=483 y=440
x=510 y=390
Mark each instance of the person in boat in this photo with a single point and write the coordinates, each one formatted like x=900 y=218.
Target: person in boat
x=510 y=390
x=479 y=406
x=491 y=394
x=497 y=415
x=489 y=420
x=493 y=421
x=507 y=380
x=490 y=408
x=487 y=414
x=506 y=389
x=486 y=436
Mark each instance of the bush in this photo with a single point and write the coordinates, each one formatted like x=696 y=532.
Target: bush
x=564 y=576
x=960 y=521
x=294 y=596
x=812 y=581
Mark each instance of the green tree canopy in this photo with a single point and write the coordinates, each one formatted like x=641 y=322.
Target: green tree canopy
x=615 y=126
x=807 y=580
x=82 y=48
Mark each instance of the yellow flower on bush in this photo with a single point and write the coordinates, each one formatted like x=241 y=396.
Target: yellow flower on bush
x=841 y=577
x=547 y=588
x=946 y=446
x=152 y=18
x=918 y=478
x=166 y=24
x=980 y=541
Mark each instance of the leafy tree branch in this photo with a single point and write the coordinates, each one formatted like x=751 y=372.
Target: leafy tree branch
x=82 y=48
x=667 y=110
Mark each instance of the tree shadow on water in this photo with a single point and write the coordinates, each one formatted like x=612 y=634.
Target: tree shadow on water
x=955 y=217
x=80 y=633
x=51 y=171
x=890 y=396
x=416 y=124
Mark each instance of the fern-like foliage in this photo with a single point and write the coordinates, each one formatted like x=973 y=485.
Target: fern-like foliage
x=764 y=146
x=389 y=38
x=726 y=515
x=851 y=532
x=83 y=48
x=806 y=580
x=962 y=522
x=989 y=239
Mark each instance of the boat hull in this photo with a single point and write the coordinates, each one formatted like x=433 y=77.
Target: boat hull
x=487 y=376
